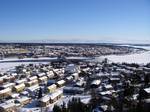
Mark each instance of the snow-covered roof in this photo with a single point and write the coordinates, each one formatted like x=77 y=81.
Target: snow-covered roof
x=15 y=95
x=96 y=82
x=114 y=78
x=8 y=85
x=74 y=88
x=108 y=86
x=70 y=65
x=43 y=78
x=69 y=77
x=14 y=74
x=147 y=100
x=22 y=99
x=19 y=86
x=80 y=83
x=45 y=98
x=52 y=86
x=5 y=90
x=24 y=92
x=75 y=74
x=50 y=74
x=32 y=88
x=2 y=77
x=20 y=81
x=55 y=94
x=107 y=92
x=7 y=105
x=147 y=90
x=33 y=81
x=61 y=82
x=32 y=78
x=41 y=74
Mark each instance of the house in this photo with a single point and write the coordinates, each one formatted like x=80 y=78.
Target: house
x=8 y=85
x=43 y=79
x=19 y=88
x=95 y=83
x=71 y=68
x=102 y=108
x=1 y=81
x=15 y=95
x=114 y=80
x=107 y=93
x=75 y=76
x=32 y=78
x=41 y=74
x=108 y=87
x=44 y=101
x=73 y=90
x=9 y=78
x=51 y=88
x=115 y=75
x=32 y=90
x=55 y=96
x=50 y=74
x=7 y=107
x=80 y=83
x=146 y=105
x=14 y=74
x=31 y=83
x=146 y=92
x=51 y=98
x=4 y=93
x=23 y=100
x=69 y=78
x=20 y=81
x=103 y=75
x=60 y=83
x=24 y=93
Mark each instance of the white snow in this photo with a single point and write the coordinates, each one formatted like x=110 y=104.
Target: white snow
x=11 y=65
x=84 y=98
x=140 y=58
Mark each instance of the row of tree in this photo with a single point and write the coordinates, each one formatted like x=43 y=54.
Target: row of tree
x=75 y=105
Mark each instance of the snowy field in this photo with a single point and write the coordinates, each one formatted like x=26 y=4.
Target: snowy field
x=140 y=58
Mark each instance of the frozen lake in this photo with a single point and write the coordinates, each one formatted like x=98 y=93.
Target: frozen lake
x=140 y=58
x=10 y=63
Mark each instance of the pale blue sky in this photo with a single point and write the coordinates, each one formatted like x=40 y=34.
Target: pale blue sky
x=75 y=20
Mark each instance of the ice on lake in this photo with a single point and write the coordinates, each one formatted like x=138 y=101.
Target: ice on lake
x=140 y=58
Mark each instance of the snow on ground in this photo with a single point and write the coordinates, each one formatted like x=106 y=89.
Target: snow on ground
x=11 y=65
x=32 y=107
x=6 y=63
x=38 y=59
x=140 y=58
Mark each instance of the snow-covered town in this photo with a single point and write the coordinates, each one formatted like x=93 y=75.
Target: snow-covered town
x=88 y=84
x=74 y=55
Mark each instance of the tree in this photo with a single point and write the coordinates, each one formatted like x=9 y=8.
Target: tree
x=64 y=109
x=56 y=108
x=95 y=99
x=40 y=93
x=75 y=105
x=146 y=79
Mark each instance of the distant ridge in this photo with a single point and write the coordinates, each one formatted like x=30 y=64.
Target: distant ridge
x=68 y=42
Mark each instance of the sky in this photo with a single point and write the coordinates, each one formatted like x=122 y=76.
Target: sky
x=124 y=21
